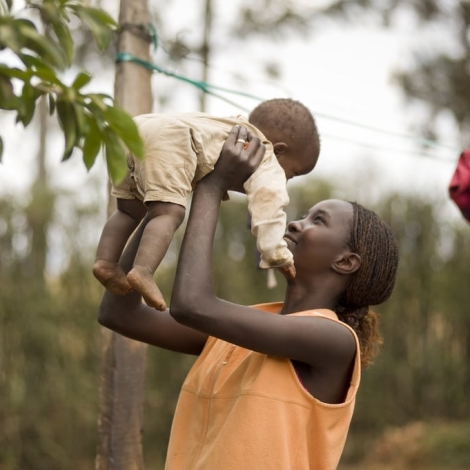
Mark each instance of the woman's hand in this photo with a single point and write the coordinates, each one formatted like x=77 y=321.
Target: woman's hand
x=240 y=156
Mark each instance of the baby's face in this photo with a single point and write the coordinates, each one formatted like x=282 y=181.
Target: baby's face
x=301 y=163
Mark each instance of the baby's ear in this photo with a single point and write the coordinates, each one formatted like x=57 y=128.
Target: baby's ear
x=279 y=148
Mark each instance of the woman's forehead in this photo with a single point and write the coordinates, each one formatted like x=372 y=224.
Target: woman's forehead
x=333 y=207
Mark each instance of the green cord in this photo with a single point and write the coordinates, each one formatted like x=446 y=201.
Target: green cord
x=204 y=86
x=207 y=88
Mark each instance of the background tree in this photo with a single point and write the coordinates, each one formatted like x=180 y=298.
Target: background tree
x=45 y=49
x=48 y=349
x=124 y=360
x=438 y=79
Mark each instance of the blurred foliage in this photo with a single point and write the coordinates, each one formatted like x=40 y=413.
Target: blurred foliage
x=440 y=72
x=48 y=355
x=425 y=316
x=418 y=446
x=45 y=49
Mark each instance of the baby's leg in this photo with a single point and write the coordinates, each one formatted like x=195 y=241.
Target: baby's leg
x=163 y=220
x=116 y=232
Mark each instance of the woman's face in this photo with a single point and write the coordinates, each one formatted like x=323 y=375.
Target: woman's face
x=321 y=237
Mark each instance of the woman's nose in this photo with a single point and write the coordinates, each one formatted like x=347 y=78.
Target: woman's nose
x=294 y=226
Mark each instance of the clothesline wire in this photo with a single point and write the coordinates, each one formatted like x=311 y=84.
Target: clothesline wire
x=388 y=149
x=214 y=90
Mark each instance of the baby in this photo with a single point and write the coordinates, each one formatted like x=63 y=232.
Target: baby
x=180 y=149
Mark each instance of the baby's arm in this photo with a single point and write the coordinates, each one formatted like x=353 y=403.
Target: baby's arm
x=267 y=196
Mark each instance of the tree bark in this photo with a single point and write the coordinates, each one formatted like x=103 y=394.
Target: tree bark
x=123 y=361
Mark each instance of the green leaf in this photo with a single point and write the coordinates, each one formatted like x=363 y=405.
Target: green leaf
x=9 y=37
x=115 y=157
x=81 y=80
x=48 y=77
x=123 y=124
x=50 y=11
x=28 y=98
x=101 y=97
x=55 y=16
x=96 y=101
x=99 y=15
x=65 y=40
x=67 y=120
x=39 y=68
x=13 y=72
x=97 y=114
x=38 y=43
x=92 y=142
x=102 y=17
x=8 y=99
x=51 y=104
x=80 y=119
x=93 y=17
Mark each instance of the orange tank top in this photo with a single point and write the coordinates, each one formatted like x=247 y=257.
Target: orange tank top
x=243 y=410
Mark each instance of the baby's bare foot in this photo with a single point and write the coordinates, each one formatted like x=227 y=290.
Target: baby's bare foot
x=141 y=279
x=112 y=277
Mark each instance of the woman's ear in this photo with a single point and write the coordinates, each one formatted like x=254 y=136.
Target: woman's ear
x=348 y=263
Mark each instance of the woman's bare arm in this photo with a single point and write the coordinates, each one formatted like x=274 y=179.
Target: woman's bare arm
x=194 y=302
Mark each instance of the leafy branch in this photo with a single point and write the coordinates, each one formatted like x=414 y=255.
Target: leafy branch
x=90 y=121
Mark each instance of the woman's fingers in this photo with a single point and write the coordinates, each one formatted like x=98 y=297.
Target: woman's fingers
x=242 y=137
x=237 y=135
x=254 y=149
x=240 y=156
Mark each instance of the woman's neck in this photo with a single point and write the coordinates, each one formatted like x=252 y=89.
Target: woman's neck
x=300 y=297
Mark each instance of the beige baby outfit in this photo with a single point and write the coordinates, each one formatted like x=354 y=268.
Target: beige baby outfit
x=180 y=149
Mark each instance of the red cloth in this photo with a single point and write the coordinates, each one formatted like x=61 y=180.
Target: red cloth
x=459 y=187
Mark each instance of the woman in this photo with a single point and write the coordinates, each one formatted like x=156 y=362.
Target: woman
x=274 y=385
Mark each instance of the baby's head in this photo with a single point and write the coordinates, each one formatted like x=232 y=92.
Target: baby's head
x=291 y=128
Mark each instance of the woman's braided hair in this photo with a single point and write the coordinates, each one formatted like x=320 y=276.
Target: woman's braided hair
x=372 y=239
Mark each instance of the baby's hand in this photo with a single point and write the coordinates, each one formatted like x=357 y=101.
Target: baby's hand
x=288 y=272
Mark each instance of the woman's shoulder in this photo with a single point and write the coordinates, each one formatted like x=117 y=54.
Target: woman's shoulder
x=275 y=307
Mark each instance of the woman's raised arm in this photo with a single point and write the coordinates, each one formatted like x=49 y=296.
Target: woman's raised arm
x=194 y=302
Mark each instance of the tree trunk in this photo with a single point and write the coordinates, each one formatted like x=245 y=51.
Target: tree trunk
x=123 y=360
